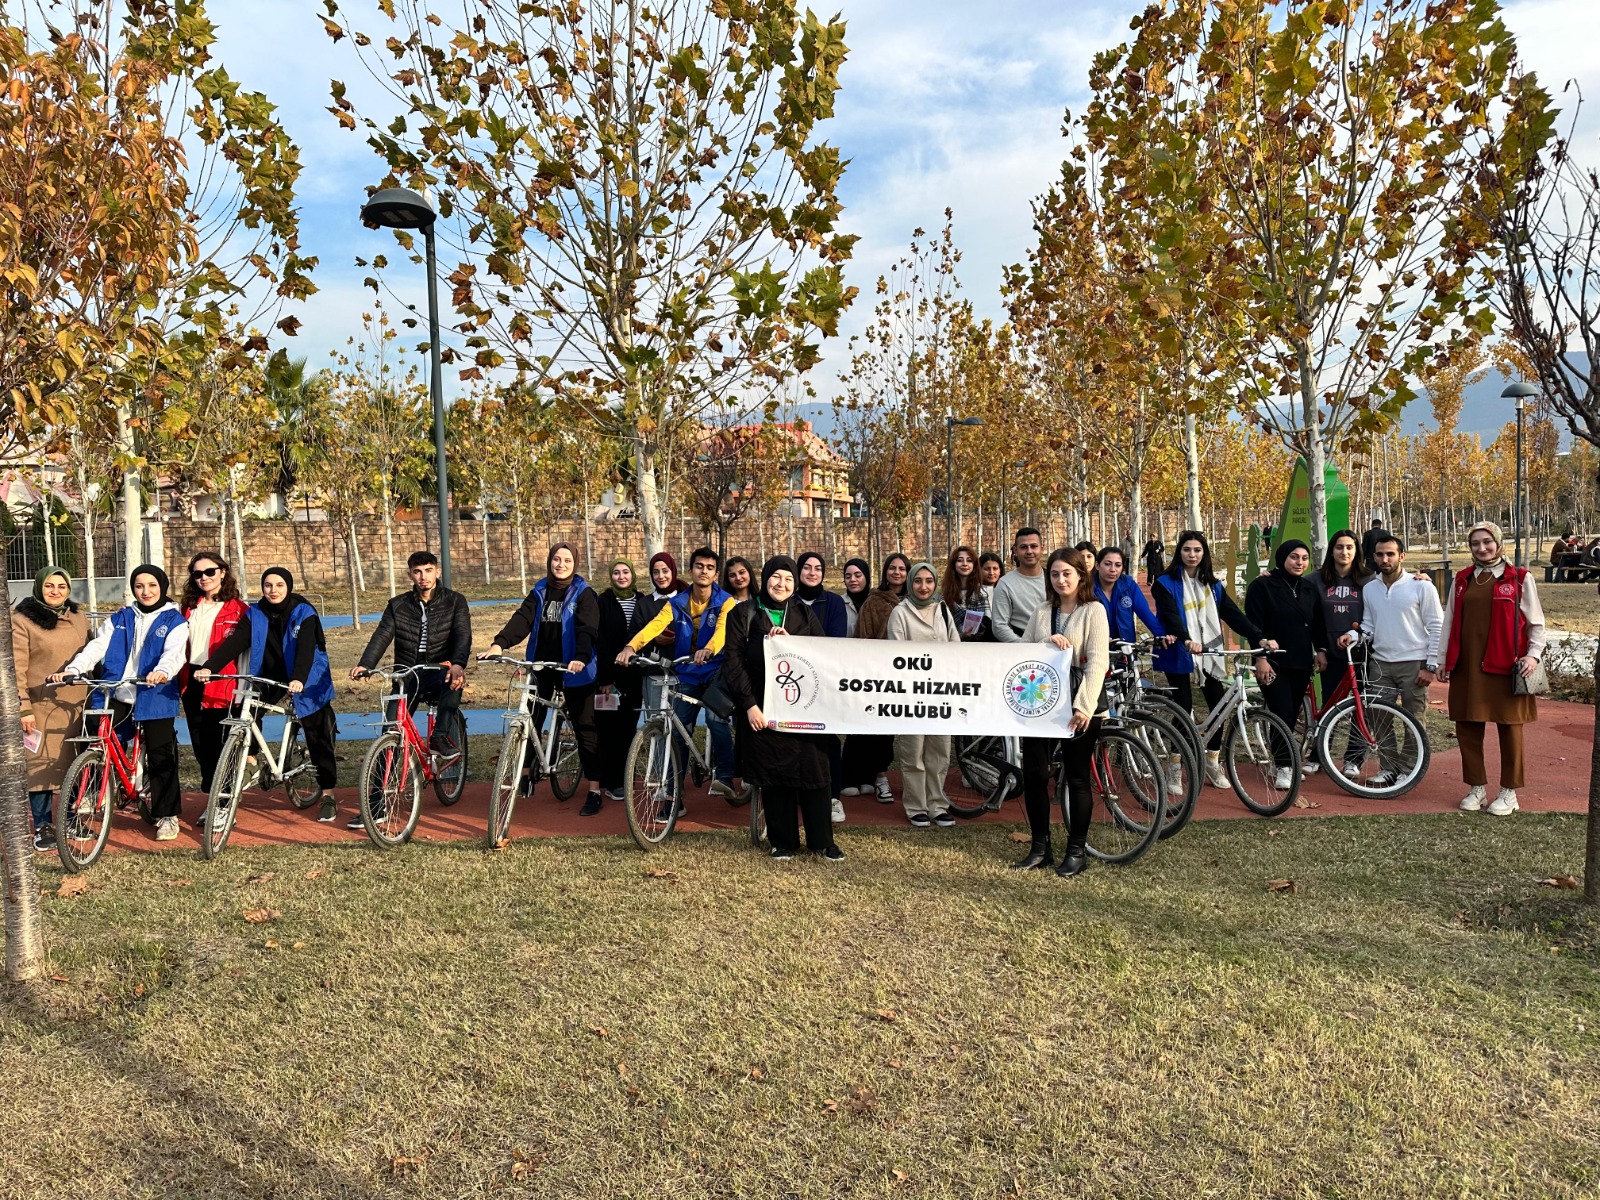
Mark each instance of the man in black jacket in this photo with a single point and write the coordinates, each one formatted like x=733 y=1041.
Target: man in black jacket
x=428 y=624
x=1369 y=543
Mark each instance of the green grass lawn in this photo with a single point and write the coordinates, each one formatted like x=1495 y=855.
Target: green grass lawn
x=1417 y=1017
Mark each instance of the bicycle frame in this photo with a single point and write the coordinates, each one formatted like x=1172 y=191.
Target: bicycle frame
x=664 y=708
x=250 y=704
x=119 y=759
x=1235 y=703
x=405 y=722
x=526 y=713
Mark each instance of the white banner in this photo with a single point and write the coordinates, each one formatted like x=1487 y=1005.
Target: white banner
x=851 y=685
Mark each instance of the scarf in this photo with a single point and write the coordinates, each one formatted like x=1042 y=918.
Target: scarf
x=677 y=585
x=854 y=599
x=776 y=610
x=911 y=594
x=1499 y=540
x=809 y=594
x=1205 y=625
x=38 y=591
x=633 y=589
x=1282 y=556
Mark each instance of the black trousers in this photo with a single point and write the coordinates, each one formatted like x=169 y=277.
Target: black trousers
x=1077 y=754
x=321 y=730
x=160 y=760
x=865 y=756
x=835 y=750
x=580 y=711
x=1183 y=696
x=205 y=732
x=786 y=807
x=614 y=730
x=1283 y=696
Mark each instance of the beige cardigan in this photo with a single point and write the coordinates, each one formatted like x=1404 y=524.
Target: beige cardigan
x=1089 y=635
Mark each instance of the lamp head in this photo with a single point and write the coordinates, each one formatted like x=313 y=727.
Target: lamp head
x=1520 y=390
x=397 y=208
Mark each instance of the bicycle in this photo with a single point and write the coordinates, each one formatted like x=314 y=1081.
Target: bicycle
x=1122 y=766
x=103 y=778
x=1364 y=720
x=288 y=764
x=1254 y=742
x=555 y=757
x=1134 y=706
x=991 y=766
x=400 y=761
x=651 y=780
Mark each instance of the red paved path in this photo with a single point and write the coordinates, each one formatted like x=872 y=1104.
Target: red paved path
x=1558 y=749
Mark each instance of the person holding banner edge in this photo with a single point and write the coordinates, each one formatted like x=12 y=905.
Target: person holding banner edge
x=792 y=769
x=1070 y=619
x=924 y=757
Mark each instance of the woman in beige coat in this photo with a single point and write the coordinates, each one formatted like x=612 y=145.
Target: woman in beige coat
x=46 y=631
x=924 y=757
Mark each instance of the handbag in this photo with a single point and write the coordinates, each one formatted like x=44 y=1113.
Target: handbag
x=718 y=699
x=1535 y=684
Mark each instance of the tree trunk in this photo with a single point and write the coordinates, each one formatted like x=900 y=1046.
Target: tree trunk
x=299 y=550
x=24 y=918
x=238 y=532
x=351 y=559
x=1316 y=456
x=1591 y=852
x=483 y=530
x=132 y=508
x=88 y=546
x=1191 y=469
x=652 y=514
x=588 y=533
x=388 y=533
x=358 y=570
x=522 y=550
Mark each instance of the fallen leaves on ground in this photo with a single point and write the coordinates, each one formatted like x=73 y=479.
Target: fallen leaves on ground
x=59 y=979
x=401 y=1167
x=264 y=877
x=862 y=1101
x=886 y=1014
x=315 y=873
x=661 y=873
x=1302 y=802
x=260 y=916
x=1280 y=885
x=72 y=885
x=599 y=1031
x=1567 y=882
x=177 y=883
x=1020 y=837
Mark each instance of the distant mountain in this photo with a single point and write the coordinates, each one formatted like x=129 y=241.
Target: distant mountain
x=1483 y=412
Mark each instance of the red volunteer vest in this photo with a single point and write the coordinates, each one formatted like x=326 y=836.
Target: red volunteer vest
x=1508 y=637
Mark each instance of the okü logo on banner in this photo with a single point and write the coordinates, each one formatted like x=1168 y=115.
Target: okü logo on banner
x=849 y=685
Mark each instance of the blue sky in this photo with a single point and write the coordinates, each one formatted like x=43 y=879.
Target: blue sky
x=944 y=103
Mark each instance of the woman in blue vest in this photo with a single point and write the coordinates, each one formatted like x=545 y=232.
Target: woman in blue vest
x=147 y=640
x=1193 y=606
x=562 y=615
x=282 y=635
x=1123 y=598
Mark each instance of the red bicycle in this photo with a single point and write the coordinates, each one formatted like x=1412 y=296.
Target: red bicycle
x=105 y=778
x=1366 y=742
x=401 y=761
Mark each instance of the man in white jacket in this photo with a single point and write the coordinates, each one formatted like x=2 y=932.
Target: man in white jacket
x=1401 y=617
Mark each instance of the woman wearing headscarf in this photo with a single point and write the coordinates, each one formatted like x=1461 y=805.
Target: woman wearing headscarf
x=146 y=641
x=281 y=638
x=1493 y=629
x=212 y=606
x=857 y=586
x=867 y=755
x=47 y=629
x=623 y=613
x=1285 y=605
x=560 y=620
x=924 y=757
x=791 y=769
x=829 y=609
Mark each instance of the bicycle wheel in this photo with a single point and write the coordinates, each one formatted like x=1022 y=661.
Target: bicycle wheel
x=984 y=769
x=222 y=806
x=507 y=784
x=648 y=782
x=1129 y=787
x=1343 y=740
x=758 y=819
x=83 y=811
x=391 y=791
x=565 y=768
x=299 y=776
x=1181 y=718
x=449 y=746
x=1182 y=777
x=1252 y=756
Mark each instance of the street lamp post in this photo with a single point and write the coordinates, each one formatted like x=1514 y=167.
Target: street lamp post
x=1521 y=392
x=402 y=208
x=950 y=424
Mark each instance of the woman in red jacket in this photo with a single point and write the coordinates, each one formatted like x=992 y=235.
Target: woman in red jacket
x=213 y=607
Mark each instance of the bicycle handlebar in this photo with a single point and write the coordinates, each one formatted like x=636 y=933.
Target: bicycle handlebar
x=102 y=685
x=658 y=666
x=521 y=664
x=392 y=673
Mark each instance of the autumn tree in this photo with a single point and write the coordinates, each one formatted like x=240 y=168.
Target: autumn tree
x=733 y=471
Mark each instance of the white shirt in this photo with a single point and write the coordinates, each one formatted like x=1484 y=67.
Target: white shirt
x=1401 y=623
x=201 y=620
x=1016 y=598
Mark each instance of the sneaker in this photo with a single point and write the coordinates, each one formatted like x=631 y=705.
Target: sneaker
x=44 y=839
x=591 y=805
x=779 y=854
x=920 y=821
x=167 y=829
x=614 y=797
x=1352 y=770
x=1473 y=800
x=1383 y=779
x=1310 y=768
x=357 y=825
x=851 y=791
x=330 y=809
x=832 y=854
x=1504 y=804
x=1174 y=780
x=945 y=821
x=664 y=811
x=885 y=796
x=1284 y=779
x=1215 y=776
x=725 y=789
x=838 y=812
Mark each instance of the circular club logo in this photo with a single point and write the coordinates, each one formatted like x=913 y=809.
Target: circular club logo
x=1032 y=689
x=796 y=682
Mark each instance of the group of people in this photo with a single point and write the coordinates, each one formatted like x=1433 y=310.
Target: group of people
x=168 y=657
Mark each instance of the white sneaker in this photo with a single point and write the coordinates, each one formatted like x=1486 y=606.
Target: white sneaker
x=1310 y=768
x=167 y=827
x=1215 y=776
x=885 y=796
x=1352 y=770
x=850 y=791
x=1473 y=800
x=1504 y=804
x=1284 y=778
x=1174 y=780
x=725 y=790
x=838 y=812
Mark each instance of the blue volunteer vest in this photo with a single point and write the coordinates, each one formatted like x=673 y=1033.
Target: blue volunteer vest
x=1176 y=659
x=1120 y=608
x=689 y=637
x=319 y=683
x=152 y=703
x=569 y=632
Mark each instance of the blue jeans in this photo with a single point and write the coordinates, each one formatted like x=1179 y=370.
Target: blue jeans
x=40 y=803
x=720 y=733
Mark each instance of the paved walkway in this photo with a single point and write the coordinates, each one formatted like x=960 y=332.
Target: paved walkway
x=1559 y=744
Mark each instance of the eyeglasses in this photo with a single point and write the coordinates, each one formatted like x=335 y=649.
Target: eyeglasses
x=205 y=572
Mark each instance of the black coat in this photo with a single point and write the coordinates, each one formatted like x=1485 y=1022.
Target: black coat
x=1290 y=616
x=769 y=758
x=616 y=630
x=449 y=630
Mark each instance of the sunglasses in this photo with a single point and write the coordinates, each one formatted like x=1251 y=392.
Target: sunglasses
x=205 y=572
